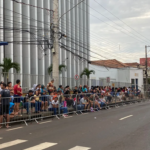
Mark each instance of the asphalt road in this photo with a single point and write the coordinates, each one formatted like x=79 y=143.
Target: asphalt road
x=123 y=128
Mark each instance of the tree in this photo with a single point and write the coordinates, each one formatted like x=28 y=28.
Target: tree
x=7 y=65
x=87 y=73
x=50 y=68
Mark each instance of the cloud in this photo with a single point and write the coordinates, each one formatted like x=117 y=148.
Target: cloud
x=112 y=38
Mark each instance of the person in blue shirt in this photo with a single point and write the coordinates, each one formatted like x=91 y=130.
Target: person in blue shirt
x=84 y=89
x=60 y=89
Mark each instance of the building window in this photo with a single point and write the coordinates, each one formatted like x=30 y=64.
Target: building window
x=132 y=81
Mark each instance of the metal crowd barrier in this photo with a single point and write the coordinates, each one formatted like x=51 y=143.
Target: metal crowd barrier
x=39 y=107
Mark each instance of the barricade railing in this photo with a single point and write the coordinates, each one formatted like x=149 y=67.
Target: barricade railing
x=36 y=107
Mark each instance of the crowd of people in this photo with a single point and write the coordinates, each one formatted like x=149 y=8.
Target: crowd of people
x=49 y=98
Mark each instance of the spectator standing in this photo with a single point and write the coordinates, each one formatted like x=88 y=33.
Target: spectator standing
x=50 y=86
x=17 y=97
x=11 y=89
x=4 y=107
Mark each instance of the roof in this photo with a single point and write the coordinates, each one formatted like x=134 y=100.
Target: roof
x=112 y=63
x=134 y=64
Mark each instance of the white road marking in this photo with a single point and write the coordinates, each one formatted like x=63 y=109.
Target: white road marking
x=41 y=146
x=126 y=117
x=12 y=143
x=14 y=129
x=80 y=148
x=45 y=122
x=68 y=117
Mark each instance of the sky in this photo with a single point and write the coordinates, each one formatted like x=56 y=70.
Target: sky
x=122 y=37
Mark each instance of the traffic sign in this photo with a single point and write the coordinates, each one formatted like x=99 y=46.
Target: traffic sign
x=76 y=77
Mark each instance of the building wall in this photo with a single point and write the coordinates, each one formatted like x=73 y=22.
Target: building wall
x=75 y=24
x=124 y=75
x=137 y=74
x=118 y=77
x=102 y=73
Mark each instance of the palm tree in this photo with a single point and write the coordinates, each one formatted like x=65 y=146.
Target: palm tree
x=87 y=73
x=7 y=65
x=50 y=68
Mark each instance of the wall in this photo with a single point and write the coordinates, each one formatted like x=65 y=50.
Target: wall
x=123 y=75
x=137 y=74
x=102 y=72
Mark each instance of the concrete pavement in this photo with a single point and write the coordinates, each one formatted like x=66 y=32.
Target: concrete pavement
x=123 y=128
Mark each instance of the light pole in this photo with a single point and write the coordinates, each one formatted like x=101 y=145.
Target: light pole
x=55 y=49
x=146 y=65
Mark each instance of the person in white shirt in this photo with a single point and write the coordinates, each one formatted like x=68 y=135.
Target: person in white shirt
x=85 y=102
x=55 y=106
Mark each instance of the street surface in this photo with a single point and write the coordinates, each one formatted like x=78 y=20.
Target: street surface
x=123 y=128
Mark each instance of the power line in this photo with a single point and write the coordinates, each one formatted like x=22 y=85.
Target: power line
x=103 y=21
x=22 y=3
x=70 y=9
x=121 y=20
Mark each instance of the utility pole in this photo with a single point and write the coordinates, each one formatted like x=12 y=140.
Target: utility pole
x=146 y=66
x=55 y=51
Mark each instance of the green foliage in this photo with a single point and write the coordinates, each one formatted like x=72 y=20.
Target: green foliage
x=50 y=68
x=87 y=73
x=8 y=64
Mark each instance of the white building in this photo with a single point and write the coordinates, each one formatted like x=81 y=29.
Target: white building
x=23 y=23
x=120 y=74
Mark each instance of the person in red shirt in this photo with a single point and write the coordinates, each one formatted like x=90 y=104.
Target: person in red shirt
x=17 y=97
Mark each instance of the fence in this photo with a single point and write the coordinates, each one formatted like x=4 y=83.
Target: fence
x=27 y=80
x=24 y=109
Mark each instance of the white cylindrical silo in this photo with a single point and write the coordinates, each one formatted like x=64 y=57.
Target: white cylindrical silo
x=8 y=33
x=63 y=30
x=40 y=36
x=33 y=37
x=47 y=21
x=1 y=38
x=72 y=31
x=26 y=60
x=68 y=43
x=17 y=38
